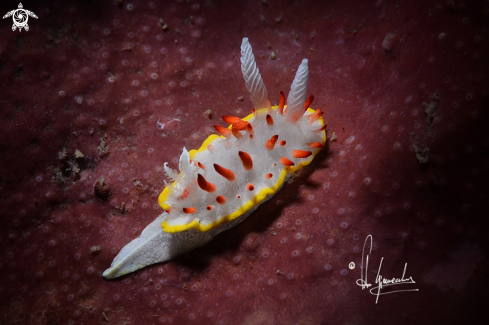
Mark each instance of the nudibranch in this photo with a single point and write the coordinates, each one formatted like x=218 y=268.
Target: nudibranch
x=232 y=173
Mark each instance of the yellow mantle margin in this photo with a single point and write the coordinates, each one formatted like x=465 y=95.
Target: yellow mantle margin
x=245 y=207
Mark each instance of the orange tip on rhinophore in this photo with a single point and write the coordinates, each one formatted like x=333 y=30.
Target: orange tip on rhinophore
x=320 y=129
x=236 y=133
x=286 y=162
x=271 y=143
x=314 y=116
x=315 y=145
x=281 y=103
x=269 y=119
x=220 y=199
x=308 y=102
x=205 y=185
x=301 y=153
x=225 y=132
x=224 y=172
x=246 y=160
x=231 y=119
x=298 y=114
x=241 y=126
x=189 y=210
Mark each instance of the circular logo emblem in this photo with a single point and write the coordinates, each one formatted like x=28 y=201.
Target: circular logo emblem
x=20 y=17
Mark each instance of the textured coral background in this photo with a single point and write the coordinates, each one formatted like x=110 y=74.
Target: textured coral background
x=96 y=96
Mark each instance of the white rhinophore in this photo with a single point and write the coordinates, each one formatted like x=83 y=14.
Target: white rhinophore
x=252 y=77
x=298 y=89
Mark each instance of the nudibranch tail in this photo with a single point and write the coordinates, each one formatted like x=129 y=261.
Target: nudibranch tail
x=232 y=173
x=252 y=77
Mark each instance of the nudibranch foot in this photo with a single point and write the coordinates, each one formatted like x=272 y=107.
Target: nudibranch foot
x=155 y=245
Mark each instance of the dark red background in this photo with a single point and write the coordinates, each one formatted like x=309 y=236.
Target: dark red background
x=90 y=70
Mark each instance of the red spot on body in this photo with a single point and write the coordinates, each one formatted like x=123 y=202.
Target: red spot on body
x=269 y=119
x=200 y=165
x=250 y=187
x=209 y=207
x=224 y=172
x=220 y=199
x=315 y=145
x=205 y=185
x=282 y=143
x=271 y=143
x=281 y=103
x=246 y=160
x=286 y=162
x=301 y=153
x=249 y=128
x=189 y=210
x=184 y=195
x=268 y=176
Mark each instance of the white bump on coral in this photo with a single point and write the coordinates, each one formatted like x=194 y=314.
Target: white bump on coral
x=252 y=77
x=298 y=89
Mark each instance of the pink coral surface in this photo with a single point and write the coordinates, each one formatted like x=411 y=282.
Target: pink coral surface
x=96 y=96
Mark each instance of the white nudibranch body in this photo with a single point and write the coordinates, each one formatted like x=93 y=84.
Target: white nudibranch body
x=231 y=174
